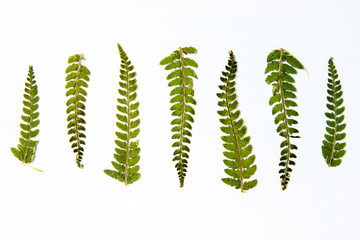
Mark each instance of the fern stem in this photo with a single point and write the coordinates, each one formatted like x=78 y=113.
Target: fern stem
x=36 y=169
x=27 y=148
x=78 y=160
x=126 y=165
x=285 y=120
x=234 y=132
x=335 y=112
x=182 y=67
x=31 y=120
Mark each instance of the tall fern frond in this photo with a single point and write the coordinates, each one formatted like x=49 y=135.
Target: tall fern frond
x=280 y=66
x=77 y=78
x=333 y=150
x=26 y=150
x=238 y=159
x=181 y=78
x=127 y=150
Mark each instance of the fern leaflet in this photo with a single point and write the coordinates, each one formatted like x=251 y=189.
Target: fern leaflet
x=127 y=151
x=181 y=78
x=77 y=78
x=333 y=150
x=281 y=65
x=238 y=160
x=26 y=150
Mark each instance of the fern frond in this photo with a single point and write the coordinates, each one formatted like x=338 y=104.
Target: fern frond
x=333 y=149
x=26 y=150
x=127 y=150
x=280 y=66
x=181 y=78
x=77 y=78
x=238 y=156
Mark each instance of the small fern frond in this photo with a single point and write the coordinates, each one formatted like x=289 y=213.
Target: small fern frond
x=333 y=149
x=280 y=66
x=77 y=78
x=238 y=156
x=127 y=150
x=26 y=150
x=181 y=78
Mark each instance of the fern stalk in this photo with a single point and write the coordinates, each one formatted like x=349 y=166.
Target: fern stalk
x=77 y=76
x=181 y=77
x=127 y=150
x=287 y=135
x=281 y=64
x=181 y=160
x=333 y=150
x=26 y=150
x=239 y=163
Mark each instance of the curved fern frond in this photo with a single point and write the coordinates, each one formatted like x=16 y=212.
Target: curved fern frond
x=238 y=159
x=77 y=78
x=127 y=150
x=181 y=78
x=333 y=150
x=280 y=66
x=26 y=150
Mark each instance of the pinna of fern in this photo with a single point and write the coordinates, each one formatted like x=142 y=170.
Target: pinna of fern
x=26 y=150
x=181 y=78
x=77 y=78
x=127 y=149
x=238 y=159
x=333 y=149
x=281 y=65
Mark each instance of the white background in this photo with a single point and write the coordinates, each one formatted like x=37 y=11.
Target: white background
x=65 y=202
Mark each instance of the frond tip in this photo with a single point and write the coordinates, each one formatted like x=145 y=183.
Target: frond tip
x=239 y=161
x=127 y=147
x=333 y=149
x=77 y=78
x=181 y=78
x=280 y=66
x=26 y=150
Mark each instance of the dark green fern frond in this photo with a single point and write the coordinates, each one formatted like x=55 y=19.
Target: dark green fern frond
x=181 y=78
x=281 y=65
x=333 y=150
x=238 y=159
x=26 y=150
x=77 y=78
x=127 y=151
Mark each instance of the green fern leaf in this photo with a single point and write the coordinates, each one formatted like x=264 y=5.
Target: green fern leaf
x=332 y=149
x=281 y=64
x=127 y=153
x=240 y=164
x=27 y=148
x=77 y=75
x=181 y=78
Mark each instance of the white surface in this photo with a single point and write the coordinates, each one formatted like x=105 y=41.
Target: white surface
x=68 y=203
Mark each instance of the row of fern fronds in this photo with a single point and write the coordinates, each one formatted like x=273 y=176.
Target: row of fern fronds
x=239 y=159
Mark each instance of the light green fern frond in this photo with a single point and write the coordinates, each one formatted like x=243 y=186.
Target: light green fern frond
x=181 y=79
x=238 y=159
x=281 y=65
x=333 y=149
x=127 y=150
x=26 y=150
x=77 y=78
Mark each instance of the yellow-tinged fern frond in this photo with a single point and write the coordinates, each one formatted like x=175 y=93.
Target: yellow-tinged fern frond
x=127 y=147
x=238 y=156
x=77 y=78
x=26 y=150
x=181 y=79
x=280 y=66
